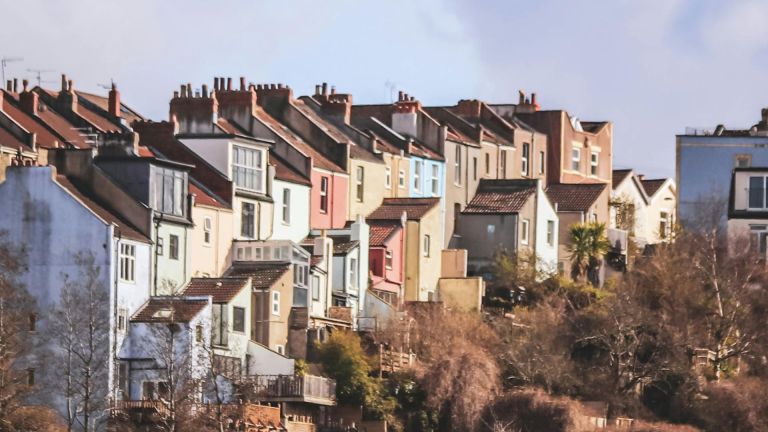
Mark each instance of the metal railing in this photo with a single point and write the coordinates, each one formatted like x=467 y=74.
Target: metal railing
x=291 y=387
x=131 y=405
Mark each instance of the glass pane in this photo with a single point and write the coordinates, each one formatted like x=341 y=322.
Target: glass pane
x=756 y=192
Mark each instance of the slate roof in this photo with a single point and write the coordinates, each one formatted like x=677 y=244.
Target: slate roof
x=619 y=176
x=82 y=194
x=393 y=208
x=262 y=274
x=501 y=196
x=575 y=197
x=382 y=231
x=285 y=172
x=182 y=309
x=222 y=290
x=652 y=186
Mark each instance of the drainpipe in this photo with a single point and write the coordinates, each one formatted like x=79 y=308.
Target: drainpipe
x=158 y=221
x=114 y=311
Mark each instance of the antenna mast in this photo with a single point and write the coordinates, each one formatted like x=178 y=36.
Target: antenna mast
x=4 y=62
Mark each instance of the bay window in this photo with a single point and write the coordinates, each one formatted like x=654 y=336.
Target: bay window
x=248 y=168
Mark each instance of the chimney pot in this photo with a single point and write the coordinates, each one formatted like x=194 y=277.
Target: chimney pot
x=9 y=85
x=412 y=99
x=229 y=83
x=205 y=90
x=16 y=85
x=251 y=87
x=522 y=97
x=279 y=86
x=189 y=90
x=533 y=98
x=70 y=86
x=216 y=83
x=273 y=86
x=400 y=96
x=176 y=94
x=242 y=83
x=325 y=89
x=63 y=82
x=24 y=83
x=317 y=90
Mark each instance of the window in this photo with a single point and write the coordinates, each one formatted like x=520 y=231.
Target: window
x=524 y=229
x=760 y=239
x=417 y=176
x=388 y=177
x=575 y=159
x=435 y=181
x=127 y=262
x=743 y=161
x=359 y=183
x=280 y=349
x=525 y=158
x=207 y=225
x=542 y=162
x=30 y=377
x=757 y=192
x=401 y=179
x=169 y=191
x=173 y=247
x=238 y=319
x=503 y=164
x=490 y=232
x=324 y=194
x=248 y=168
x=663 y=225
x=551 y=232
x=220 y=325
x=286 y=205
x=247 y=218
x=275 y=303
x=457 y=166
x=300 y=274
x=160 y=247
x=594 y=159
x=32 y=322
x=487 y=163
x=474 y=168
x=388 y=259
x=199 y=333
x=122 y=319
x=315 y=287
x=353 y=273
x=426 y=245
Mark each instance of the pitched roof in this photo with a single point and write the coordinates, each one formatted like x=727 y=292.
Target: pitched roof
x=501 y=196
x=382 y=231
x=81 y=193
x=222 y=290
x=342 y=245
x=285 y=172
x=575 y=197
x=205 y=197
x=169 y=309
x=7 y=139
x=103 y=102
x=393 y=208
x=45 y=137
x=619 y=176
x=652 y=186
x=262 y=274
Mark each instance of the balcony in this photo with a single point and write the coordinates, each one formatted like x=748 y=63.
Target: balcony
x=289 y=388
x=150 y=406
x=394 y=361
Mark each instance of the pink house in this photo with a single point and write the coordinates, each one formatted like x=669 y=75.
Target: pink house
x=386 y=260
x=328 y=203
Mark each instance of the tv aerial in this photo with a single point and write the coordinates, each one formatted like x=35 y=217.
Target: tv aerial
x=4 y=62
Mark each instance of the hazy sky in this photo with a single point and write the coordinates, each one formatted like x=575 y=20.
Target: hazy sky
x=651 y=66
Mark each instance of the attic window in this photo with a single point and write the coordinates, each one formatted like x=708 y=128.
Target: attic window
x=163 y=313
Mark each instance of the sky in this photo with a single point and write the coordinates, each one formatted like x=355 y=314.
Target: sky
x=653 y=67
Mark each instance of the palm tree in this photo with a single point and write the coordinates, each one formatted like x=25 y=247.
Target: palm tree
x=588 y=245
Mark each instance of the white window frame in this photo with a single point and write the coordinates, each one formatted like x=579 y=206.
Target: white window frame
x=551 y=232
x=170 y=192
x=276 y=303
x=594 y=161
x=251 y=219
x=575 y=159
x=286 y=207
x=388 y=177
x=525 y=226
x=417 y=176
x=388 y=259
x=457 y=166
x=542 y=162
x=245 y=319
x=525 y=158
x=127 y=263
x=435 y=180
x=352 y=273
x=503 y=163
x=315 y=287
x=173 y=253
x=122 y=319
x=248 y=168
x=207 y=228
x=763 y=195
x=359 y=183
x=664 y=230
x=427 y=244
x=323 y=194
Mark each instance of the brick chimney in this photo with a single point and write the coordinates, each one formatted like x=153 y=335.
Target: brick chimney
x=338 y=106
x=237 y=105
x=405 y=116
x=113 y=104
x=195 y=113
x=525 y=105
x=273 y=96
x=29 y=100
x=67 y=99
x=469 y=108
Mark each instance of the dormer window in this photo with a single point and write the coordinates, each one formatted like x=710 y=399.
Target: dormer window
x=170 y=191
x=757 y=192
x=248 y=168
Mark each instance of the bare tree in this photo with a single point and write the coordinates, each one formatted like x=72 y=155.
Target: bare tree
x=80 y=329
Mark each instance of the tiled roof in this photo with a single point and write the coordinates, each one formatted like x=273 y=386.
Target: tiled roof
x=7 y=139
x=619 y=176
x=81 y=193
x=97 y=120
x=285 y=172
x=45 y=138
x=501 y=196
x=263 y=275
x=103 y=102
x=62 y=126
x=575 y=197
x=652 y=186
x=381 y=231
x=318 y=159
x=169 y=309
x=342 y=245
x=222 y=290
x=393 y=208
x=203 y=196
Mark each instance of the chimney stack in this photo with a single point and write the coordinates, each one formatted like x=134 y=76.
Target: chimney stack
x=325 y=89
x=317 y=90
x=229 y=83
x=63 y=82
x=29 y=100
x=216 y=84
x=521 y=101
x=205 y=90
x=242 y=83
x=9 y=85
x=114 y=101
x=16 y=85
